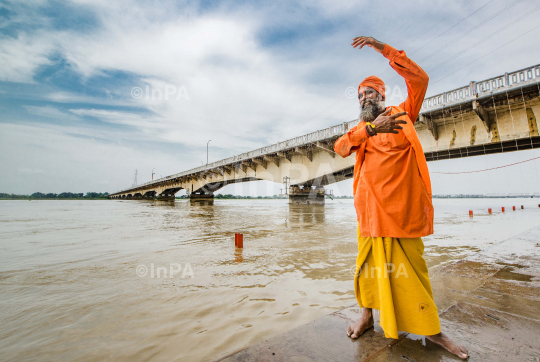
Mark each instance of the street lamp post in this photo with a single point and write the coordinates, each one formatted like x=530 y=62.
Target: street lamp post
x=207 y=152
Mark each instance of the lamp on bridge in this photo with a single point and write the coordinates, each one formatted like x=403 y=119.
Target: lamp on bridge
x=207 y=152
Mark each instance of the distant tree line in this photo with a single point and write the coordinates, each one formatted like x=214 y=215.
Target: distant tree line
x=230 y=196
x=63 y=195
x=484 y=196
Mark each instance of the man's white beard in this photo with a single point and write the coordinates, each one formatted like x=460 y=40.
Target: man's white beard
x=371 y=110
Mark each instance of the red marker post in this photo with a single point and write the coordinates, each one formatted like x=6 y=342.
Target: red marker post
x=489 y=211
x=514 y=208
x=239 y=240
x=503 y=209
x=470 y=213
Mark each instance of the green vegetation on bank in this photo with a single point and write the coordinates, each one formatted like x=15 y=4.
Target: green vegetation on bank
x=229 y=196
x=461 y=196
x=52 y=196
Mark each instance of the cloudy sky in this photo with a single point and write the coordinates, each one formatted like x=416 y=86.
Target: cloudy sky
x=90 y=91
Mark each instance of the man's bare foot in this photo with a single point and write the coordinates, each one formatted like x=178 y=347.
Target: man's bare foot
x=453 y=347
x=364 y=323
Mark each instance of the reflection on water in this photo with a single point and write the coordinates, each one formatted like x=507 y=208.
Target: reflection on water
x=73 y=286
x=238 y=255
x=201 y=202
x=306 y=215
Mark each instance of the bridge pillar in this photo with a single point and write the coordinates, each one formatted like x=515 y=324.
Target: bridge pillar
x=201 y=196
x=165 y=197
x=306 y=195
x=150 y=195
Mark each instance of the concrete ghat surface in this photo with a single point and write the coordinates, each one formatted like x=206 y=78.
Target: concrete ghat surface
x=489 y=302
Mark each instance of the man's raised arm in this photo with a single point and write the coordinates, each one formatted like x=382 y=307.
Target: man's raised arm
x=416 y=79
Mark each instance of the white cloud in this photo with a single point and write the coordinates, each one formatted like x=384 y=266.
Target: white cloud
x=50 y=112
x=243 y=93
x=21 y=56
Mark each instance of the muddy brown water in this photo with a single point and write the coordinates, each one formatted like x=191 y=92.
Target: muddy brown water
x=91 y=280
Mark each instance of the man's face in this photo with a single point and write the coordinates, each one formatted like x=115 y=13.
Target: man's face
x=371 y=104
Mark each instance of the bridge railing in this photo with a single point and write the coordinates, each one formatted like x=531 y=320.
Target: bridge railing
x=507 y=81
x=469 y=92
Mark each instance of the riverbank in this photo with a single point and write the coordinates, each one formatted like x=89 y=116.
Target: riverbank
x=488 y=301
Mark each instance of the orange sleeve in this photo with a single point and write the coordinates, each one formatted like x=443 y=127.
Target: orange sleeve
x=350 y=141
x=416 y=79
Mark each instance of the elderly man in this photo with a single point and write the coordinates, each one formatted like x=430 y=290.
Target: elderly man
x=392 y=197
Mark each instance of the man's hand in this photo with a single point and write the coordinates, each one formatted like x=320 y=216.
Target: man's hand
x=361 y=41
x=388 y=124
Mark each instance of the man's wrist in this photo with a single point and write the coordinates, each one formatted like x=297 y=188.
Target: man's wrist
x=370 y=130
x=379 y=46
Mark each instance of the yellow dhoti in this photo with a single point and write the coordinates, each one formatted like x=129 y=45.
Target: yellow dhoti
x=392 y=277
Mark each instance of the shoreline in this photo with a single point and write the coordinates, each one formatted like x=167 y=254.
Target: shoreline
x=262 y=198
x=488 y=301
x=47 y=199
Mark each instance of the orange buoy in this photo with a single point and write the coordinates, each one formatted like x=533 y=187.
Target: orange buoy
x=470 y=213
x=489 y=210
x=514 y=208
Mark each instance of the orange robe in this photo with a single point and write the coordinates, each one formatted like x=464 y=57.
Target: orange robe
x=391 y=185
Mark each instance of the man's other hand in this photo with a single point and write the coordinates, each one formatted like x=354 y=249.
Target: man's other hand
x=388 y=124
x=362 y=41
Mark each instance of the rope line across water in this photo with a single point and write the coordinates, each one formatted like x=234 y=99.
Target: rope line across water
x=487 y=169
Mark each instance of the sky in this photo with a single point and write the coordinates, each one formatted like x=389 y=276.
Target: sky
x=91 y=91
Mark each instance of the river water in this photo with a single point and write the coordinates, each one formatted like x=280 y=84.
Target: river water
x=148 y=280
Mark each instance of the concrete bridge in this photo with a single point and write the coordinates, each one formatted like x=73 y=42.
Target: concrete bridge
x=492 y=116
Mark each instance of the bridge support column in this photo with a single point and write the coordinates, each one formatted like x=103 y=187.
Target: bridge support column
x=201 y=196
x=165 y=197
x=150 y=195
x=306 y=195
